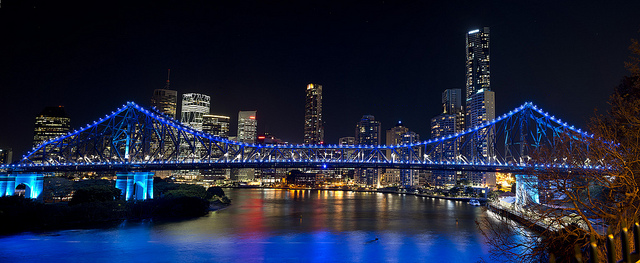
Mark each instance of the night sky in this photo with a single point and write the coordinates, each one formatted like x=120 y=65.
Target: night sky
x=391 y=59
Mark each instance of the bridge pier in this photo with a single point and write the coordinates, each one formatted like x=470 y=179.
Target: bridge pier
x=135 y=185
x=34 y=184
x=527 y=190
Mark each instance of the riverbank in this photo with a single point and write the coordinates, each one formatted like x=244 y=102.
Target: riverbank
x=517 y=217
x=18 y=214
x=463 y=199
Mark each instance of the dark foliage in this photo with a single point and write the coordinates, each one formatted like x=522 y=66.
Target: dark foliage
x=95 y=193
x=215 y=191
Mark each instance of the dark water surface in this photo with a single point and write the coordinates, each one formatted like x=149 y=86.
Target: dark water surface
x=266 y=225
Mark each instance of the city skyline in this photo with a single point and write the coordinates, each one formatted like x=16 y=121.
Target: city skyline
x=357 y=65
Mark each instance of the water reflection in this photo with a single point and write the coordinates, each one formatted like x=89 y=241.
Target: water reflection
x=279 y=225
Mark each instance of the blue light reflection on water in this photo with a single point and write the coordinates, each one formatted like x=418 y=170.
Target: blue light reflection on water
x=277 y=226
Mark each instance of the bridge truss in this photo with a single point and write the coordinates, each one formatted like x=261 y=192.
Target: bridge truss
x=134 y=138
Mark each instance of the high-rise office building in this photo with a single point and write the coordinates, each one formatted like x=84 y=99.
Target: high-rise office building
x=368 y=133
x=313 y=126
x=247 y=126
x=165 y=100
x=50 y=123
x=479 y=102
x=217 y=125
x=194 y=107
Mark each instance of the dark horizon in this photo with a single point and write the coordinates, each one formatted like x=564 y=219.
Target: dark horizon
x=390 y=60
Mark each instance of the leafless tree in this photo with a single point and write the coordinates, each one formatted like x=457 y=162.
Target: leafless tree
x=580 y=204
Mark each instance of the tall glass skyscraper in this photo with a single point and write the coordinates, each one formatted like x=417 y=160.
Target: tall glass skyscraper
x=313 y=126
x=479 y=102
x=165 y=100
x=194 y=107
x=478 y=61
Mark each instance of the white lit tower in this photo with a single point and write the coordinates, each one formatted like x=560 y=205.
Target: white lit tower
x=194 y=107
x=479 y=101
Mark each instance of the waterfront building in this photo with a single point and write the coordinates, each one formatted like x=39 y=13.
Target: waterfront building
x=313 y=125
x=479 y=101
x=217 y=125
x=50 y=123
x=165 y=100
x=247 y=126
x=194 y=107
x=368 y=133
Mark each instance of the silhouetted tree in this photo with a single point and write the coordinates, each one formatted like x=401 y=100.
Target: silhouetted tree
x=94 y=191
x=581 y=202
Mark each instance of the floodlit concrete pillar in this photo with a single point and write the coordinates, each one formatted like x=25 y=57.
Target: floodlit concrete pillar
x=34 y=183
x=5 y=181
x=527 y=190
x=135 y=185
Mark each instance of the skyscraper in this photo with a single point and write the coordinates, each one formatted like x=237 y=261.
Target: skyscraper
x=368 y=133
x=478 y=61
x=217 y=125
x=194 y=107
x=400 y=134
x=313 y=126
x=50 y=123
x=165 y=100
x=450 y=122
x=479 y=102
x=247 y=126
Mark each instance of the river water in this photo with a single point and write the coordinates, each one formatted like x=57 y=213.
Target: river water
x=268 y=225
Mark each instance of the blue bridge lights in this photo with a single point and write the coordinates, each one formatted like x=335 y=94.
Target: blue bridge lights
x=136 y=139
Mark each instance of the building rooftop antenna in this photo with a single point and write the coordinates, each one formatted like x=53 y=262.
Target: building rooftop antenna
x=168 y=75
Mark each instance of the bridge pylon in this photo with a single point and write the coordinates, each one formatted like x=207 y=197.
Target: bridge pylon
x=135 y=185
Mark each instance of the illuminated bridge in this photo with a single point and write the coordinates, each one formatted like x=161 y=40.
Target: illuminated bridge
x=133 y=141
